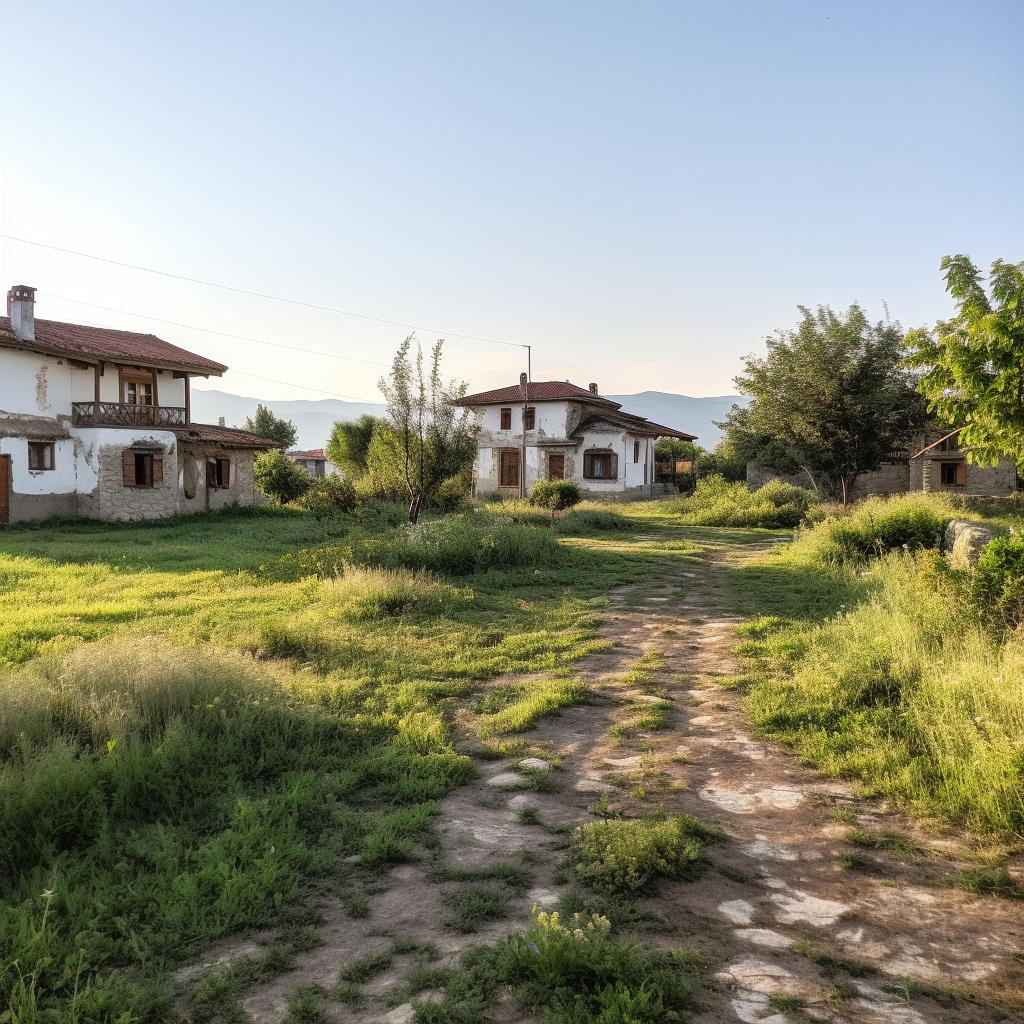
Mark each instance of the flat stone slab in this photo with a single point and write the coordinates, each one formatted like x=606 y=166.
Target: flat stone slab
x=533 y=762
x=505 y=779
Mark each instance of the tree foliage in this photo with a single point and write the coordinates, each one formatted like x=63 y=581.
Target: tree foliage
x=350 y=444
x=830 y=399
x=974 y=363
x=432 y=437
x=278 y=477
x=266 y=424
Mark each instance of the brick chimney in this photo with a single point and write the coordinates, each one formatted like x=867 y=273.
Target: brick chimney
x=593 y=389
x=21 y=308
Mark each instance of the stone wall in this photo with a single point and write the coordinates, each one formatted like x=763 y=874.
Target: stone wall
x=113 y=500
x=193 y=493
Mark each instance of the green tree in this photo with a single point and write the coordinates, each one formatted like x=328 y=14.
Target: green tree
x=350 y=444
x=432 y=437
x=831 y=398
x=974 y=363
x=278 y=477
x=266 y=424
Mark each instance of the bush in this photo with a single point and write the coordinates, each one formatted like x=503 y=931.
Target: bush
x=593 y=520
x=874 y=526
x=998 y=582
x=716 y=502
x=555 y=494
x=278 y=477
x=449 y=494
x=373 y=593
x=329 y=496
x=625 y=857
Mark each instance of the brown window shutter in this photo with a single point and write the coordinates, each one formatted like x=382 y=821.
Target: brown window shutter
x=613 y=467
x=158 y=469
x=226 y=470
x=211 y=474
x=128 y=467
x=961 y=473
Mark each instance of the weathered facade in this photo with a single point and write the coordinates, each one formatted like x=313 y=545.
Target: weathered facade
x=934 y=463
x=314 y=462
x=97 y=423
x=554 y=430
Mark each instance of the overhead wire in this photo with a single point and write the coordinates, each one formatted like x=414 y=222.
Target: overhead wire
x=328 y=309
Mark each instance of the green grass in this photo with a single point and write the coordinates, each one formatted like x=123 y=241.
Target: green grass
x=869 y=659
x=571 y=971
x=987 y=882
x=472 y=905
x=531 y=702
x=201 y=718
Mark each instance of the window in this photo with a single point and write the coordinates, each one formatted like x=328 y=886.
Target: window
x=600 y=465
x=529 y=418
x=636 y=451
x=950 y=444
x=506 y=419
x=40 y=455
x=218 y=473
x=136 y=390
x=509 y=469
x=953 y=473
x=142 y=469
x=556 y=467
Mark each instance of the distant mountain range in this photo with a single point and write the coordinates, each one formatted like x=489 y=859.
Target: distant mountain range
x=314 y=419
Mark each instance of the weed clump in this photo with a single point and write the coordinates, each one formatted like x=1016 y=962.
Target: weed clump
x=716 y=502
x=573 y=970
x=626 y=857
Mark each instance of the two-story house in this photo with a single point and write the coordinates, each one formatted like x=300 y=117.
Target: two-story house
x=97 y=422
x=554 y=430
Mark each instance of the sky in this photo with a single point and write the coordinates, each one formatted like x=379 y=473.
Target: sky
x=640 y=191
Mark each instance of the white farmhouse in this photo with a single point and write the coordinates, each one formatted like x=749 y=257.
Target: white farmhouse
x=554 y=430
x=97 y=422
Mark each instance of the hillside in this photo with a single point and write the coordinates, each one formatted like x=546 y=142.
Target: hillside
x=315 y=418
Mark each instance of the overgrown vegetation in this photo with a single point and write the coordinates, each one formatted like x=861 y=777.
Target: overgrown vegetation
x=200 y=719
x=876 y=660
x=716 y=502
x=574 y=970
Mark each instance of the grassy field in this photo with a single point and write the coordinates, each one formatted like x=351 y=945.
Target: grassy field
x=200 y=718
x=870 y=657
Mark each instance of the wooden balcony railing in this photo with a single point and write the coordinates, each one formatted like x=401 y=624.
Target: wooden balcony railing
x=122 y=414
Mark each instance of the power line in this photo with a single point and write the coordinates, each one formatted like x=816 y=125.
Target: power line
x=238 y=337
x=328 y=309
x=260 y=295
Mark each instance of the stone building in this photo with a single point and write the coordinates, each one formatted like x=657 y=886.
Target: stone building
x=554 y=430
x=934 y=463
x=97 y=422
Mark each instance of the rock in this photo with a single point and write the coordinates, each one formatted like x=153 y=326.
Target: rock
x=505 y=779
x=533 y=762
x=356 y=858
x=963 y=542
x=400 y=1014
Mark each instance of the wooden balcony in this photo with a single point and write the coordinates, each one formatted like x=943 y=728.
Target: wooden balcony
x=123 y=414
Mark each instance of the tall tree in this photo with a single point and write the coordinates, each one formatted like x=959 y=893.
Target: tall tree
x=350 y=443
x=974 y=363
x=433 y=436
x=266 y=424
x=831 y=398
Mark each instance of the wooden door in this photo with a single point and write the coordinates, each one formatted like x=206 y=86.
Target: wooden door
x=509 y=469
x=556 y=467
x=5 y=488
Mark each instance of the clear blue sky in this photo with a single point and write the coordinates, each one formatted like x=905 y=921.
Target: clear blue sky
x=645 y=190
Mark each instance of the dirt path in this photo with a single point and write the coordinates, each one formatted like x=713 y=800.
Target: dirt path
x=776 y=882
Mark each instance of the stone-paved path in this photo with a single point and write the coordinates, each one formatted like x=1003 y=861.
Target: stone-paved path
x=777 y=881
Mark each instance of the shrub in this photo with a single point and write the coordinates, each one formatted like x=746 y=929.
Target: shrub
x=716 y=502
x=626 y=856
x=555 y=494
x=874 y=526
x=329 y=496
x=998 y=582
x=449 y=494
x=278 y=477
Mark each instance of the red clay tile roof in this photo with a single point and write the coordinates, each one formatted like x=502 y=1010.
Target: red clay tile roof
x=537 y=391
x=73 y=341
x=313 y=453
x=634 y=424
x=229 y=437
